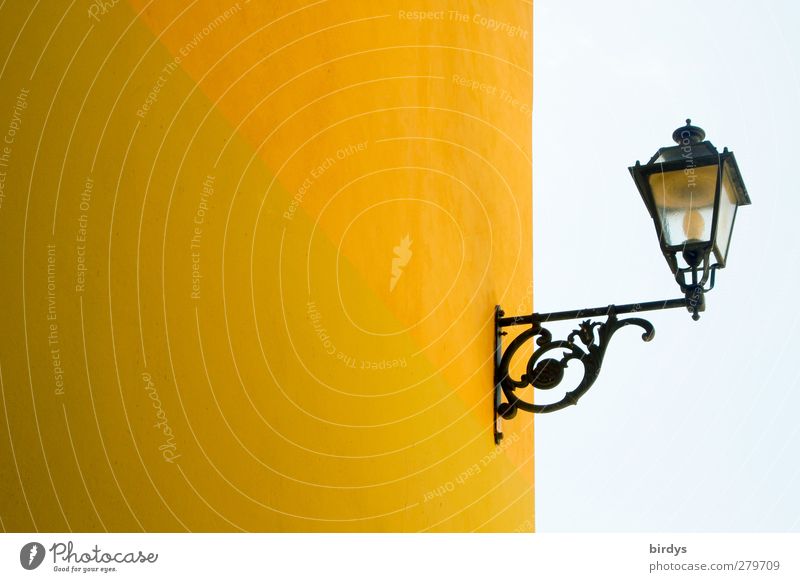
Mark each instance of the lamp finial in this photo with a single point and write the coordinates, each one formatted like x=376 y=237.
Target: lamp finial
x=688 y=134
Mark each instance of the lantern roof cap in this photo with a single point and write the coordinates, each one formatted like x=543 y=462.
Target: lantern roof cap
x=688 y=133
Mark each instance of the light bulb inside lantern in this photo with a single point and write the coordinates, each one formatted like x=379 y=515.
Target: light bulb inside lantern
x=693 y=225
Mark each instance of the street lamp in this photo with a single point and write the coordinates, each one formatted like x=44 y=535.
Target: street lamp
x=692 y=193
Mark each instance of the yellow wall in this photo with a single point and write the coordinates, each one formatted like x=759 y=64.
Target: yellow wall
x=200 y=208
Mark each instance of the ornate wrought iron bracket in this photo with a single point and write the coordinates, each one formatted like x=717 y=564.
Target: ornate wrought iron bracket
x=546 y=373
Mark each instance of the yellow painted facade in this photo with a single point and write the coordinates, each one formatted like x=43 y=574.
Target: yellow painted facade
x=250 y=256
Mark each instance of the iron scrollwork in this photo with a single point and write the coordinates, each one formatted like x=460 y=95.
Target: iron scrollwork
x=546 y=373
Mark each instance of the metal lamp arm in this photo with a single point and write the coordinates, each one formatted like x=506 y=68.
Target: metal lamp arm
x=547 y=373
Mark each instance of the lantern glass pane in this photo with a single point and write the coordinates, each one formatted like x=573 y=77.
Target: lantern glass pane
x=727 y=213
x=684 y=200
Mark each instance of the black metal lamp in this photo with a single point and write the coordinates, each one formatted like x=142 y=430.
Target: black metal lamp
x=692 y=193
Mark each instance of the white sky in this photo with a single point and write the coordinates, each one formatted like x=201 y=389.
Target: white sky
x=698 y=430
